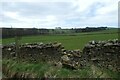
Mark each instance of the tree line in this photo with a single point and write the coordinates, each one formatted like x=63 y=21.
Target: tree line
x=12 y=32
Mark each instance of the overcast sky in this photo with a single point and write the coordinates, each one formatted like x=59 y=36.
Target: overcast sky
x=58 y=13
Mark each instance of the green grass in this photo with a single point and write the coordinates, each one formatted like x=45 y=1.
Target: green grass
x=47 y=70
x=15 y=66
x=69 y=41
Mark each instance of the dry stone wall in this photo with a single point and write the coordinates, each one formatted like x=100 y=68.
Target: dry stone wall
x=34 y=52
x=102 y=53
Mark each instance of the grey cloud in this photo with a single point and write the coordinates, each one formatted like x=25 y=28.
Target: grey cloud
x=65 y=13
x=39 y=9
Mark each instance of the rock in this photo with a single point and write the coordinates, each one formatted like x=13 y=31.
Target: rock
x=59 y=64
x=9 y=49
x=65 y=58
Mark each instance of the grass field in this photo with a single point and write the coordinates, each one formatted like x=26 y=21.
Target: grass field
x=69 y=41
